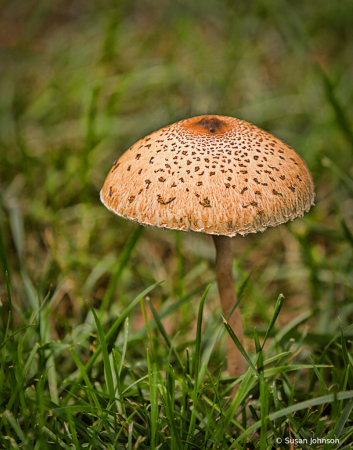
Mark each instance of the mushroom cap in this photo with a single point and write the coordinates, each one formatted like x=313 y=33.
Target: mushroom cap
x=211 y=174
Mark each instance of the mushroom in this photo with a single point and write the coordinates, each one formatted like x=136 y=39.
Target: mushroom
x=216 y=175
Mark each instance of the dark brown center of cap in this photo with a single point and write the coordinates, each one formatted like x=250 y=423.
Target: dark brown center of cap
x=211 y=124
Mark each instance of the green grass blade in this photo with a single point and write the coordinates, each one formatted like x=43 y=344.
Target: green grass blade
x=8 y=288
x=293 y=324
x=152 y=376
x=342 y=117
x=30 y=359
x=297 y=407
x=346 y=358
x=123 y=353
x=12 y=421
x=275 y=314
x=238 y=344
x=347 y=232
x=17 y=229
x=3 y=254
x=86 y=378
x=111 y=333
x=198 y=341
x=6 y=339
x=336 y=336
x=319 y=376
x=240 y=293
x=165 y=334
x=119 y=268
x=238 y=399
x=343 y=419
x=54 y=438
x=168 y=309
x=276 y=357
x=106 y=361
x=264 y=409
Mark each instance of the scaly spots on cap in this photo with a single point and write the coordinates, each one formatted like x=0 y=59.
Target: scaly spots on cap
x=115 y=166
x=212 y=174
x=206 y=203
x=164 y=202
x=277 y=193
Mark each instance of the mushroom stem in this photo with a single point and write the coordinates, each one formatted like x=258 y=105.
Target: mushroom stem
x=226 y=289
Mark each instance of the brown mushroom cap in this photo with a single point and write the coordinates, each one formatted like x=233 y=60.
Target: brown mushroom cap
x=212 y=174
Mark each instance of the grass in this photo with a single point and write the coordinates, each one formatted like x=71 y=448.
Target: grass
x=96 y=350
x=111 y=401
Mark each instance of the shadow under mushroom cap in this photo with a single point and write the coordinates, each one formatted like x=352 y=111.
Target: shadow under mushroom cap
x=211 y=174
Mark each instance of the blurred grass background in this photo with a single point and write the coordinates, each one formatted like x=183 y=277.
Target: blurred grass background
x=81 y=81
